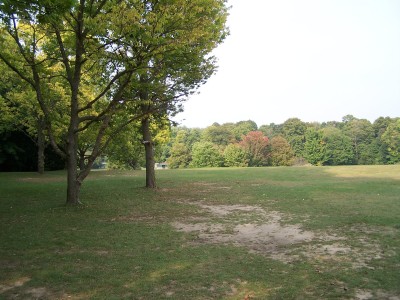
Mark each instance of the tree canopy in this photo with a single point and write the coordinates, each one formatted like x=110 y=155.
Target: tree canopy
x=352 y=141
x=116 y=61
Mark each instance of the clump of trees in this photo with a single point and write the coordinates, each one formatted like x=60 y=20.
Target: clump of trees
x=350 y=142
x=84 y=72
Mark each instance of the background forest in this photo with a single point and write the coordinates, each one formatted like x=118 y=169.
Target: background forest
x=349 y=142
x=352 y=141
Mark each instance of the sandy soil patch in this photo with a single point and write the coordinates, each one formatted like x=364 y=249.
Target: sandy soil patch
x=265 y=235
x=15 y=284
x=17 y=290
x=263 y=232
x=367 y=295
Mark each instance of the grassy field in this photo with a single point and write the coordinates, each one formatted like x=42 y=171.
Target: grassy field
x=251 y=233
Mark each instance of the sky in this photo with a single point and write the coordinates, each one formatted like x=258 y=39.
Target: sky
x=316 y=60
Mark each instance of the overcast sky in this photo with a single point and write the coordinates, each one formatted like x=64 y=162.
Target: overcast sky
x=317 y=60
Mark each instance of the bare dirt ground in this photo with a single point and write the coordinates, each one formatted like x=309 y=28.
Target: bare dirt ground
x=264 y=232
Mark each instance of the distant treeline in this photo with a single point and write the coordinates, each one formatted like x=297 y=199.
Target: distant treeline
x=350 y=142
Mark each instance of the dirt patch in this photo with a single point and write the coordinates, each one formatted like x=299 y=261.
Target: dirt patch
x=14 y=284
x=265 y=235
x=367 y=295
x=38 y=293
x=264 y=232
x=223 y=210
x=17 y=289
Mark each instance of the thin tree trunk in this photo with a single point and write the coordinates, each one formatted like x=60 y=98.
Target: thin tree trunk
x=41 y=147
x=41 y=144
x=149 y=150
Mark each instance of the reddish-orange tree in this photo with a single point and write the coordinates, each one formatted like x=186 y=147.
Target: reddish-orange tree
x=256 y=146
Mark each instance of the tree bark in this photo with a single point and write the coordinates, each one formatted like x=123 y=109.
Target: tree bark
x=73 y=185
x=41 y=144
x=149 y=151
x=74 y=77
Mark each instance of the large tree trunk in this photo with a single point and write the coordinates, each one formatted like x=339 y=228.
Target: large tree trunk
x=73 y=185
x=149 y=150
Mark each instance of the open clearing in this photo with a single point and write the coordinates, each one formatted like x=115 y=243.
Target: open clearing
x=254 y=233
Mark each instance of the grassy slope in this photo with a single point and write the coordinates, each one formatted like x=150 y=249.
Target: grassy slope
x=121 y=244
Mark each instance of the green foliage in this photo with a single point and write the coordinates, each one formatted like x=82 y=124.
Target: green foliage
x=242 y=128
x=281 y=152
x=219 y=135
x=339 y=148
x=391 y=137
x=206 y=154
x=361 y=133
x=354 y=141
x=126 y=151
x=271 y=130
x=369 y=153
x=315 y=149
x=235 y=156
x=116 y=62
x=294 y=131
x=180 y=156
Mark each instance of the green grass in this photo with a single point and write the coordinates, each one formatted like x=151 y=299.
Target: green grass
x=121 y=244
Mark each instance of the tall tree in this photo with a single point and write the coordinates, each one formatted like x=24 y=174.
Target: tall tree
x=361 y=132
x=104 y=46
x=391 y=137
x=315 y=147
x=294 y=131
x=380 y=125
x=338 y=147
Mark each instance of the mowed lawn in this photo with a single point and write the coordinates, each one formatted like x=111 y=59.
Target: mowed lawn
x=245 y=233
